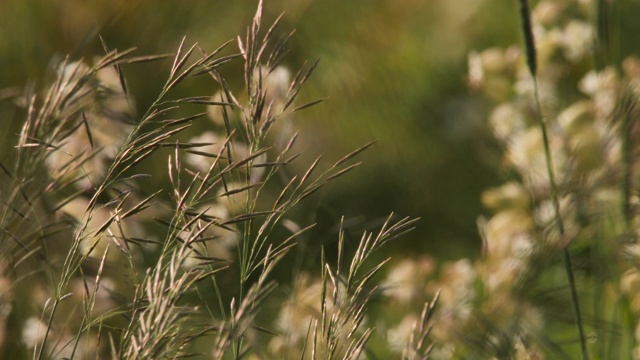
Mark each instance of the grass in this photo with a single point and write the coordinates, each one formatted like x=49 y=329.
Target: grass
x=83 y=136
x=527 y=30
x=119 y=260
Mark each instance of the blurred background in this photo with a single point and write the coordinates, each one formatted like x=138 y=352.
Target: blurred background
x=392 y=71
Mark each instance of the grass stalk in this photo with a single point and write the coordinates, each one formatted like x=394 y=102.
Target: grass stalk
x=530 y=48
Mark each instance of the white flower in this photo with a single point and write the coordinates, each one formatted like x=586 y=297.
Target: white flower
x=33 y=332
x=69 y=76
x=213 y=145
x=509 y=195
x=101 y=100
x=75 y=152
x=547 y=85
x=506 y=121
x=406 y=281
x=92 y=242
x=456 y=289
x=221 y=241
x=298 y=313
x=526 y=152
x=277 y=83
x=576 y=40
x=491 y=70
x=399 y=336
x=547 y=11
x=547 y=43
x=507 y=235
x=216 y=112
x=603 y=88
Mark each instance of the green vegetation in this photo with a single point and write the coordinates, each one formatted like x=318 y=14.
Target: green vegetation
x=449 y=180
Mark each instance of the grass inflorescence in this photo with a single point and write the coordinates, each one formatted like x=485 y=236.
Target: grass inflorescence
x=164 y=232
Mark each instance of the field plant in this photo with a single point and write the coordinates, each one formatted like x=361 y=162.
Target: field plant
x=173 y=233
x=118 y=260
x=558 y=277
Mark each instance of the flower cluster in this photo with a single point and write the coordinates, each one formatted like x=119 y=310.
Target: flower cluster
x=88 y=118
x=589 y=123
x=232 y=199
x=487 y=307
x=222 y=225
x=97 y=107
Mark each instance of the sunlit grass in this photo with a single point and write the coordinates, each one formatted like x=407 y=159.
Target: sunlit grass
x=100 y=258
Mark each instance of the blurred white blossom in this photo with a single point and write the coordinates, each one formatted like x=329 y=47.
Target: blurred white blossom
x=406 y=281
x=98 y=100
x=398 y=337
x=577 y=40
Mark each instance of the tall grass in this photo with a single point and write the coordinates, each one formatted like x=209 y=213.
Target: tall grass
x=124 y=267
x=104 y=255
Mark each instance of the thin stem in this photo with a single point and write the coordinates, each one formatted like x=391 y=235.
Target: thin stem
x=49 y=325
x=627 y=161
x=530 y=47
x=568 y=264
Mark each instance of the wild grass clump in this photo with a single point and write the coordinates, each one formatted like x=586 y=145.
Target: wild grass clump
x=103 y=255
x=117 y=264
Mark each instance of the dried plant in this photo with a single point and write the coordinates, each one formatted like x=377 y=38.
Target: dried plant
x=128 y=267
x=122 y=260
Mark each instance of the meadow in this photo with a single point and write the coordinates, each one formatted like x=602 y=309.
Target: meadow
x=319 y=180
